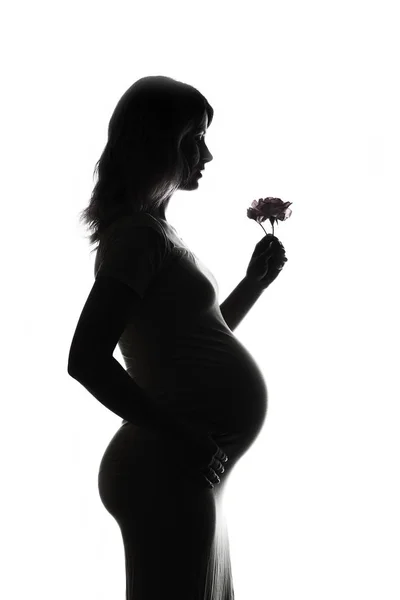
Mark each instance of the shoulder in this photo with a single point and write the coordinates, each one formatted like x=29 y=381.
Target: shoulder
x=133 y=235
x=141 y=227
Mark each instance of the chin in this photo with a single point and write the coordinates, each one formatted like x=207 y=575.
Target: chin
x=192 y=183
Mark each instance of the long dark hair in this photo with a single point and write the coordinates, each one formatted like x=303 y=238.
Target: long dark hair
x=148 y=154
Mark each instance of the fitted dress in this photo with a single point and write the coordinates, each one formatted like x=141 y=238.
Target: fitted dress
x=172 y=523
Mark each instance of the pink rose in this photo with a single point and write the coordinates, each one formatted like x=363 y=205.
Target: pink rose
x=269 y=208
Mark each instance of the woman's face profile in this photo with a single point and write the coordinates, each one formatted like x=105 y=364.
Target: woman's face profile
x=196 y=152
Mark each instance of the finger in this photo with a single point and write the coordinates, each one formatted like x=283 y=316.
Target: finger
x=278 y=251
x=277 y=260
x=278 y=246
x=209 y=483
x=259 y=250
x=212 y=476
x=216 y=464
x=273 y=245
x=272 y=238
x=221 y=455
x=219 y=467
x=266 y=239
x=264 y=253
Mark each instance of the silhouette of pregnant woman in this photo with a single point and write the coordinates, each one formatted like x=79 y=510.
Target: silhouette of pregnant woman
x=192 y=398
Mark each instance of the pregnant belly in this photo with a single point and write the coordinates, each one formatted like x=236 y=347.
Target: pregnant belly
x=223 y=388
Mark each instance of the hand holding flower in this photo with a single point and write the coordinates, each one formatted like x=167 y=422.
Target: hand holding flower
x=266 y=262
x=269 y=256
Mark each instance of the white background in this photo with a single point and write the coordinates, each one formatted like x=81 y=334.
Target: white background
x=306 y=101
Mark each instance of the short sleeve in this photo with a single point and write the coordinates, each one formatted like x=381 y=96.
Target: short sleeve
x=134 y=253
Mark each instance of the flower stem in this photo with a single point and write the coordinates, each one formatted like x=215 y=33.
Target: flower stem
x=265 y=231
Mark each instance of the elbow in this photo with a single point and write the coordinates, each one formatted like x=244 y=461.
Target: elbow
x=72 y=370
x=76 y=364
x=73 y=364
x=78 y=368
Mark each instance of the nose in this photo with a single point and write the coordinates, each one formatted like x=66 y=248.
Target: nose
x=206 y=159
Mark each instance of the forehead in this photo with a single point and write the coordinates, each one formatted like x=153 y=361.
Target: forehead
x=204 y=121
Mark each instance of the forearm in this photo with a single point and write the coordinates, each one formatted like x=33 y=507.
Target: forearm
x=108 y=381
x=113 y=387
x=238 y=303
